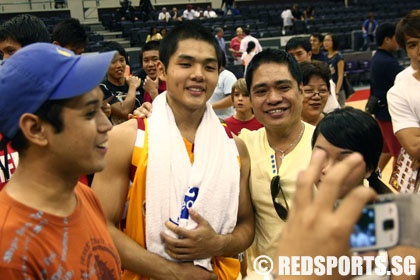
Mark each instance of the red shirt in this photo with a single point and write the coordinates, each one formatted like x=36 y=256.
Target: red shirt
x=235 y=44
x=236 y=125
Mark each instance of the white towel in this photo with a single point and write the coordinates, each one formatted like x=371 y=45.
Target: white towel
x=170 y=175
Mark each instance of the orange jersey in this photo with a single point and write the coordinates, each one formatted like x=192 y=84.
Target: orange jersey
x=135 y=226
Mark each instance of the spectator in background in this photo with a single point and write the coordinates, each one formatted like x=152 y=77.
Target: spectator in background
x=309 y=13
x=189 y=13
x=163 y=31
x=199 y=13
x=70 y=34
x=164 y=15
x=369 y=31
x=297 y=13
x=20 y=31
x=220 y=40
x=316 y=44
x=16 y=33
x=300 y=48
x=235 y=45
x=209 y=12
x=384 y=69
x=127 y=11
x=153 y=35
x=244 y=116
x=235 y=9
x=336 y=65
x=146 y=10
x=248 y=55
x=287 y=17
x=316 y=90
x=248 y=37
x=152 y=85
x=221 y=100
x=175 y=16
x=123 y=91
x=228 y=6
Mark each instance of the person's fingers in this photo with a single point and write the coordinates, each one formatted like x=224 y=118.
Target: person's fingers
x=148 y=106
x=197 y=217
x=351 y=206
x=329 y=188
x=179 y=231
x=306 y=180
x=176 y=245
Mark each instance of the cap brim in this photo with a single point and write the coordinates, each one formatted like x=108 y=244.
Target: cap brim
x=84 y=76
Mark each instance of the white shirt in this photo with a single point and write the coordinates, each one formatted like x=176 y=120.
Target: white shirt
x=287 y=17
x=223 y=89
x=164 y=16
x=244 y=44
x=404 y=103
x=332 y=102
x=210 y=14
x=189 y=14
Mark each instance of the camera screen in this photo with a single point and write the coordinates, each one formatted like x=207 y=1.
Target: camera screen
x=363 y=234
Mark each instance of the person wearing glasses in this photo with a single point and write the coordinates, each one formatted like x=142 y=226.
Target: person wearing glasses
x=316 y=89
x=301 y=49
x=279 y=150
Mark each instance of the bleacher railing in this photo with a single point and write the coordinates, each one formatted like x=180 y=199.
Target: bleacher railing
x=22 y=6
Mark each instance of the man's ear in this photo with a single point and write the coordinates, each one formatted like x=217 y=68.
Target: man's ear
x=33 y=129
x=161 y=72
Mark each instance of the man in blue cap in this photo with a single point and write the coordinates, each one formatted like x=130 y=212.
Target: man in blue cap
x=53 y=226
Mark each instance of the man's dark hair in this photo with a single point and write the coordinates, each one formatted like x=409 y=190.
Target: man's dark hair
x=408 y=26
x=150 y=46
x=319 y=36
x=250 y=47
x=297 y=42
x=186 y=30
x=51 y=112
x=273 y=56
x=246 y=30
x=69 y=32
x=114 y=46
x=25 y=29
x=385 y=30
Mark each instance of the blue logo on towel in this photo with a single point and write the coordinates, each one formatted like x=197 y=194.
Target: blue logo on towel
x=189 y=199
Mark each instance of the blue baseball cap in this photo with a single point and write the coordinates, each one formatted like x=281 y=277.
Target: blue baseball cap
x=41 y=72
